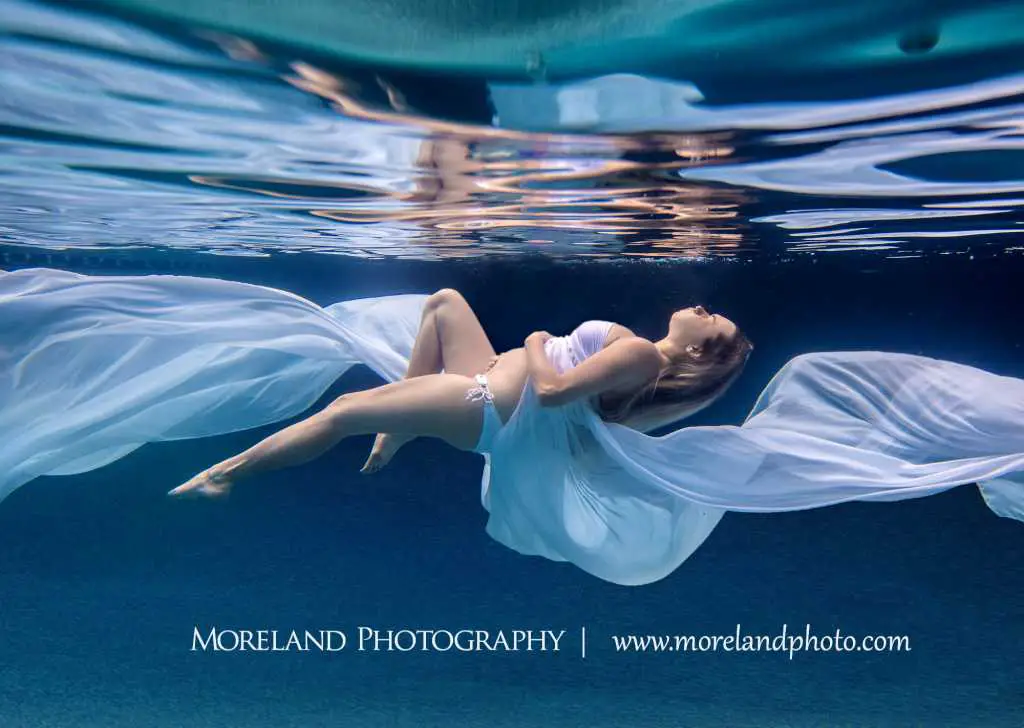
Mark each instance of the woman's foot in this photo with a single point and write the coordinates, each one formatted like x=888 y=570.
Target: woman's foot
x=385 y=445
x=211 y=483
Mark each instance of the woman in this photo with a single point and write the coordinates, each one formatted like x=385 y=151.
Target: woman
x=625 y=377
x=94 y=367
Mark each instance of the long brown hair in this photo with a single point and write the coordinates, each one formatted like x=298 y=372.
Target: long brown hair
x=687 y=384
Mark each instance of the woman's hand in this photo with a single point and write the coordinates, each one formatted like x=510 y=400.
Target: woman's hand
x=538 y=336
x=543 y=374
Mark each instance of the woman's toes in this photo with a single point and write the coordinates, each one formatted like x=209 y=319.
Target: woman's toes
x=371 y=464
x=205 y=484
x=381 y=452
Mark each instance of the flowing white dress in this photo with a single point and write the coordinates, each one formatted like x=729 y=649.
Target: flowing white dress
x=93 y=367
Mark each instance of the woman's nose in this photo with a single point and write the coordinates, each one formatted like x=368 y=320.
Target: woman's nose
x=700 y=310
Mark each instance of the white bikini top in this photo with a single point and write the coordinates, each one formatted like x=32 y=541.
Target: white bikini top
x=566 y=352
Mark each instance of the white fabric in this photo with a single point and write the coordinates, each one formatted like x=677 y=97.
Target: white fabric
x=93 y=367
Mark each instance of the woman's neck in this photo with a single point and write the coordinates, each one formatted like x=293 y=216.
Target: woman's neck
x=668 y=350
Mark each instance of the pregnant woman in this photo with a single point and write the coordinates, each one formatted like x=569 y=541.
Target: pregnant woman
x=623 y=376
x=94 y=367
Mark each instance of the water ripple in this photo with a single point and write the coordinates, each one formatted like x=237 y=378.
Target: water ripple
x=116 y=136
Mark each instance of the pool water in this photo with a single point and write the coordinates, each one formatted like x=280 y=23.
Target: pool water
x=848 y=179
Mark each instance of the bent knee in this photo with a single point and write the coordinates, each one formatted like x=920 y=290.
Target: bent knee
x=445 y=296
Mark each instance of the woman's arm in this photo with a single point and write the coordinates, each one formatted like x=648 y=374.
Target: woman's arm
x=627 y=362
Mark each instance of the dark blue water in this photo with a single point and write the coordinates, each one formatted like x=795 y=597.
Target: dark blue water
x=136 y=145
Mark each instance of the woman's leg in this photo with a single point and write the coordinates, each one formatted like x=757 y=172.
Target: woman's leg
x=450 y=337
x=432 y=405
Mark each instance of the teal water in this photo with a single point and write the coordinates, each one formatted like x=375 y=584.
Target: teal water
x=828 y=177
x=129 y=134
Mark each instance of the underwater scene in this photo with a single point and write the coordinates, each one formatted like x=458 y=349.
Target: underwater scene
x=419 y=363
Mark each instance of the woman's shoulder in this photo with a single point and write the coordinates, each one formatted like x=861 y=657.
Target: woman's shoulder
x=616 y=332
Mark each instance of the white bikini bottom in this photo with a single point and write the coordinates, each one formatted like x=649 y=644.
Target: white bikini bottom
x=492 y=420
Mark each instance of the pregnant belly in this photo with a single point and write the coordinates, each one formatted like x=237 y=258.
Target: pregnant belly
x=506 y=379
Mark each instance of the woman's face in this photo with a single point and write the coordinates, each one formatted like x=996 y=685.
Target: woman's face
x=695 y=326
